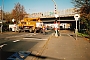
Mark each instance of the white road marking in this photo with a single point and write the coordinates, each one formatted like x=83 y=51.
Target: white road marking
x=16 y=40
x=2 y=45
x=35 y=38
x=30 y=34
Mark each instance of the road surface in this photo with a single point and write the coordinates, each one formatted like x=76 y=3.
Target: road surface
x=14 y=42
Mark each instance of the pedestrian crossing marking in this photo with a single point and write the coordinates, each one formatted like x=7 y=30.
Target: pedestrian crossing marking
x=30 y=34
x=35 y=38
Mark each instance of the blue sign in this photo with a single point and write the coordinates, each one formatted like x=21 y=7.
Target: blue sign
x=21 y=55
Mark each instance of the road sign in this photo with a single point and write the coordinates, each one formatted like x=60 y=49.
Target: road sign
x=76 y=16
x=51 y=13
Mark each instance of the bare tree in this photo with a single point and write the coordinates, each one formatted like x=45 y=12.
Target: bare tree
x=7 y=16
x=18 y=12
x=84 y=10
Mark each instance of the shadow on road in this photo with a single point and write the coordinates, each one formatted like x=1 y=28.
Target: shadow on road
x=44 y=57
x=5 y=54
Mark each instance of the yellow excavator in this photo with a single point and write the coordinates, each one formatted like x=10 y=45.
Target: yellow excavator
x=30 y=24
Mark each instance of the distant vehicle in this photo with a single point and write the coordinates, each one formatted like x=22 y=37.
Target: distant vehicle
x=13 y=27
x=30 y=24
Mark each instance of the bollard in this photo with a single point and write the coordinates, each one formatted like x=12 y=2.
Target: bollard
x=56 y=33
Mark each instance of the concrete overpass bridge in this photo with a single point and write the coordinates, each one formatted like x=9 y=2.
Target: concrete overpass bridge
x=50 y=14
x=65 y=16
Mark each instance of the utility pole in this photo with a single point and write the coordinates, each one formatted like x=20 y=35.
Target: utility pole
x=0 y=17
x=2 y=10
x=0 y=13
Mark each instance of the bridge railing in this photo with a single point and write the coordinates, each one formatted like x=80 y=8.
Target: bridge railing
x=61 y=13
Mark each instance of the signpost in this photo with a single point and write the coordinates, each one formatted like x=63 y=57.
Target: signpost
x=76 y=16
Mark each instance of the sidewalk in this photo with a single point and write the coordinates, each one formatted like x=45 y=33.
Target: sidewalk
x=65 y=47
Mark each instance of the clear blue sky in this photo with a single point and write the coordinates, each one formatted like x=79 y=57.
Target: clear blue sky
x=37 y=5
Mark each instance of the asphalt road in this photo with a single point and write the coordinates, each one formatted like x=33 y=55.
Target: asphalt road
x=13 y=42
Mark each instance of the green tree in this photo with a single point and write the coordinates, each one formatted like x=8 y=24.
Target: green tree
x=83 y=8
